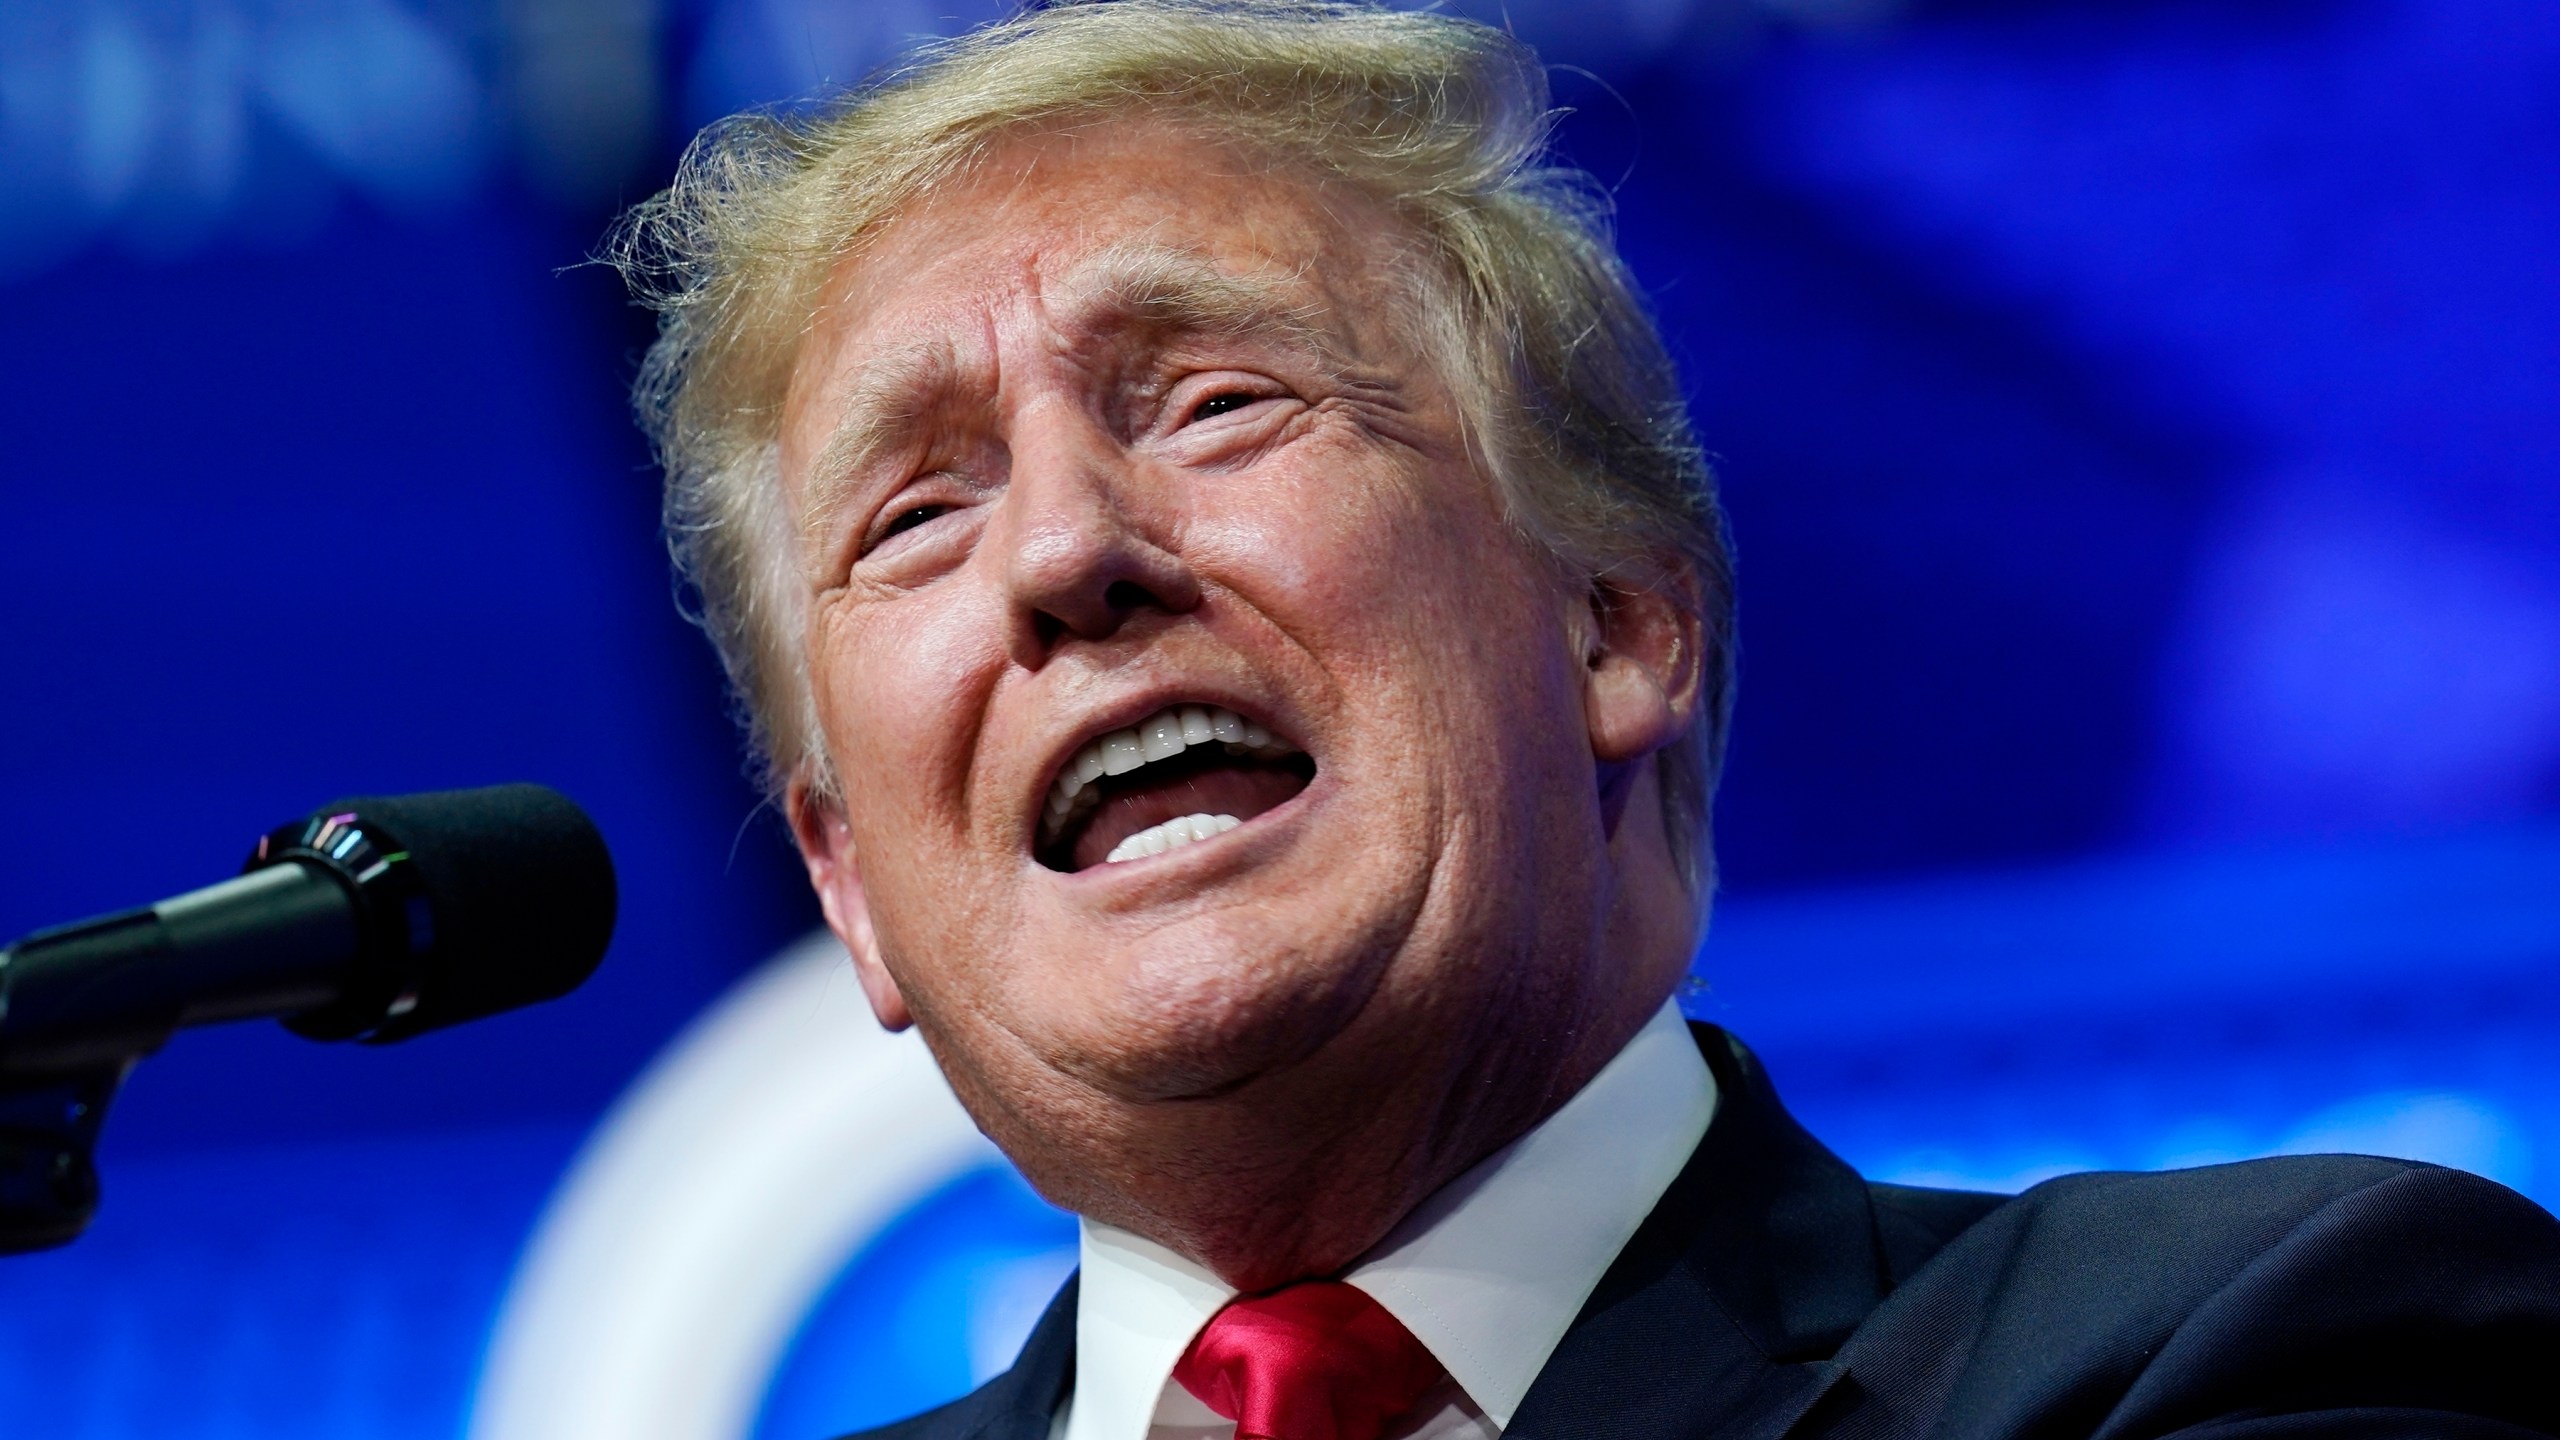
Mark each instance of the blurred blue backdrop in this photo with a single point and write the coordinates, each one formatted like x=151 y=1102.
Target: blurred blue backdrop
x=2140 y=423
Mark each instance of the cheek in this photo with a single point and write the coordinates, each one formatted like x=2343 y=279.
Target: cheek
x=1424 y=610
x=899 y=688
x=1345 y=542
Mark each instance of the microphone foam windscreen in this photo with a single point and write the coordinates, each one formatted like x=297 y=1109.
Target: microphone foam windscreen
x=520 y=896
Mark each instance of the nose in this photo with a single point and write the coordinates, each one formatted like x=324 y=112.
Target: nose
x=1078 y=560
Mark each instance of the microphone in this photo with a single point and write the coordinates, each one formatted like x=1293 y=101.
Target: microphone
x=371 y=919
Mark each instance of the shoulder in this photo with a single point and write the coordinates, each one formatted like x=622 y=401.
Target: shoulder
x=2223 y=1205
x=2213 y=1225
x=2152 y=1301
x=2179 y=1230
x=2359 y=1237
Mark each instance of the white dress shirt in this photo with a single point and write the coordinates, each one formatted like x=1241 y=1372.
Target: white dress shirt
x=1488 y=1273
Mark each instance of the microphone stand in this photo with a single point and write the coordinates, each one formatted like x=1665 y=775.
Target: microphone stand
x=55 y=1086
x=82 y=1004
x=48 y=1138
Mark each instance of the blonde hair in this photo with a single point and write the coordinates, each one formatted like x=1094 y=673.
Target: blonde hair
x=1573 y=403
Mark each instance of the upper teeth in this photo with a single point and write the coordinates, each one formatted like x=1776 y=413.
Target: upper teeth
x=1160 y=736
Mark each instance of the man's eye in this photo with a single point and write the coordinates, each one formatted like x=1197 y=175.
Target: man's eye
x=1221 y=403
x=909 y=519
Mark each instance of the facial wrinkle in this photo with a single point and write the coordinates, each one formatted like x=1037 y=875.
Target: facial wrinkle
x=1170 y=291
x=897 y=389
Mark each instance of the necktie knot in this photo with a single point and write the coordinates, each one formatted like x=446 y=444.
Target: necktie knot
x=1314 y=1361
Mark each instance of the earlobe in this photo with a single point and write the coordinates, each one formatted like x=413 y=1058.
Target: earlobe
x=826 y=848
x=1645 y=667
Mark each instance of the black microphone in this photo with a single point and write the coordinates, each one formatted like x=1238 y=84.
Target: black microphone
x=371 y=919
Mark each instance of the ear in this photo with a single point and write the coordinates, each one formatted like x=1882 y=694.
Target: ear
x=826 y=847
x=1646 y=666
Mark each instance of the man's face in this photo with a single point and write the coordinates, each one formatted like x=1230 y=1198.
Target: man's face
x=1132 y=433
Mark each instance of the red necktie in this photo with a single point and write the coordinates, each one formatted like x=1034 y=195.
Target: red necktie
x=1314 y=1361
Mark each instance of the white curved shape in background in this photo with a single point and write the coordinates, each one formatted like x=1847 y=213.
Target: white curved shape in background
x=716 y=1201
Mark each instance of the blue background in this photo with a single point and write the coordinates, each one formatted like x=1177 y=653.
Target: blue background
x=2138 y=419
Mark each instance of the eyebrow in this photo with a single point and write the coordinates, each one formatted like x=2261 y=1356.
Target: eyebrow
x=894 y=387
x=1177 y=291
x=1135 y=285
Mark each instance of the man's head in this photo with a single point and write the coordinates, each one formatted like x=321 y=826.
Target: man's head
x=1182 y=368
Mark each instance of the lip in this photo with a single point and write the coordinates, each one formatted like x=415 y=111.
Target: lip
x=1125 y=714
x=1129 y=880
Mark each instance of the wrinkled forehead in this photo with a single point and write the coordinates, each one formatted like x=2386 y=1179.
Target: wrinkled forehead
x=1056 y=201
x=1096 y=232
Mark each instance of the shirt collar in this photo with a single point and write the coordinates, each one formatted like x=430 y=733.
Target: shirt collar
x=1137 y=1306
x=1488 y=1273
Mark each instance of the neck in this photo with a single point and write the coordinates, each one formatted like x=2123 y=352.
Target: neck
x=1296 y=1177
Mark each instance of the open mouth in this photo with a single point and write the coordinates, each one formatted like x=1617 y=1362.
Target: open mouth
x=1182 y=775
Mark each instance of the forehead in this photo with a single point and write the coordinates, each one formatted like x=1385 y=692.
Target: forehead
x=1075 y=224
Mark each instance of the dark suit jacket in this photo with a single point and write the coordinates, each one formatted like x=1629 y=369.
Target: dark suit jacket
x=1772 y=1292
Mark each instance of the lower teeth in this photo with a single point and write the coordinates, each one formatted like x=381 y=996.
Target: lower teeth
x=1171 y=835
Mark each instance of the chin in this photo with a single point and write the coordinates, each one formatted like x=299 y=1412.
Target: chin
x=1210 y=1003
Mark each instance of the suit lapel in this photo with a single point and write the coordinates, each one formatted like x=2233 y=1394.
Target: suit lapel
x=1719 y=1319
x=1018 y=1404
x=1721 y=1315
